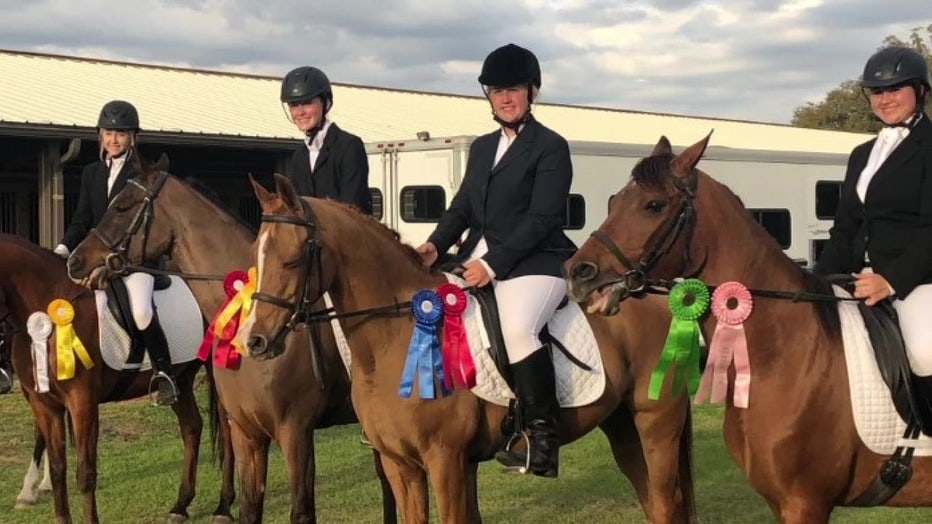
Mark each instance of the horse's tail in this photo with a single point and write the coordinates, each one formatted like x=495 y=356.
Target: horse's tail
x=687 y=487
x=217 y=450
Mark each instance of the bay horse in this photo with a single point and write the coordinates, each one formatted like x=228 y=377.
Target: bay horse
x=796 y=441
x=265 y=400
x=30 y=278
x=363 y=265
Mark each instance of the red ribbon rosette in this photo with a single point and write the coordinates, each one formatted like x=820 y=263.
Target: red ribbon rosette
x=732 y=305
x=225 y=354
x=457 y=357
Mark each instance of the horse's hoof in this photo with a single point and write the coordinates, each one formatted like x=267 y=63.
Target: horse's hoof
x=221 y=519
x=24 y=503
x=177 y=518
x=44 y=489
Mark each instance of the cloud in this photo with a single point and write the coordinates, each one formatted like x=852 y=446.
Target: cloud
x=748 y=59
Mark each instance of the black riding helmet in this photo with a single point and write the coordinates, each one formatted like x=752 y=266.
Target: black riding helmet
x=306 y=83
x=896 y=65
x=118 y=114
x=508 y=66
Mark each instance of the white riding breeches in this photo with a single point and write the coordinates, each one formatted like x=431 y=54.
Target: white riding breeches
x=525 y=305
x=139 y=287
x=915 y=315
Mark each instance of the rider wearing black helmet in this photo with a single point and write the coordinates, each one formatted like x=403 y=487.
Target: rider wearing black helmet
x=101 y=181
x=331 y=163
x=883 y=227
x=512 y=203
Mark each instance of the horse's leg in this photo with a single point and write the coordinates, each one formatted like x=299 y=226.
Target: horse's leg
x=804 y=510
x=447 y=473
x=626 y=447
x=473 y=516
x=85 y=424
x=252 y=453
x=297 y=443
x=191 y=425
x=46 y=485
x=660 y=426
x=51 y=422
x=389 y=507
x=220 y=427
x=409 y=484
x=28 y=495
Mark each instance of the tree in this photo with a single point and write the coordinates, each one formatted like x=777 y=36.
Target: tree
x=844 y=108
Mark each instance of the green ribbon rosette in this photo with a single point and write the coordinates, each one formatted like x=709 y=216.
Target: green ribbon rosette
x=688 y=301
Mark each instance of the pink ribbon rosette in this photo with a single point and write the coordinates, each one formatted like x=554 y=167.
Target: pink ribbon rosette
x=457 y=357
x=732 y=305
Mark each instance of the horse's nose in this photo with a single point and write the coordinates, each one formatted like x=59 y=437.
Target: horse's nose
x=258 y=345
x=584 y=271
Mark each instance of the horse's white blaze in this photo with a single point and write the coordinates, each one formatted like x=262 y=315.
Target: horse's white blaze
x=246 y=328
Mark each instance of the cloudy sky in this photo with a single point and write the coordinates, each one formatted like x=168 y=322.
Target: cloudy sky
x=745 y=59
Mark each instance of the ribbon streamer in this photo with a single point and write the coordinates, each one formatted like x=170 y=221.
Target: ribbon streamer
x=732 y=305
x=39 y=327
x=220 y=337
x=67 y=343
x=457 y=358
x=688 y=301
x=424 y=360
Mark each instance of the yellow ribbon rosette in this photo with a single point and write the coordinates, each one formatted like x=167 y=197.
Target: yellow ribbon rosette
x=240 y=303
x=67 y=343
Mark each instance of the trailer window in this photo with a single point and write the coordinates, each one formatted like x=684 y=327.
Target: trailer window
x=827 y=196
x=574 y=217
x=776 y=222
x=376 y=195
x=422 y=203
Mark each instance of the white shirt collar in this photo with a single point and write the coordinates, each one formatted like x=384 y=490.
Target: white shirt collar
x=318 y=142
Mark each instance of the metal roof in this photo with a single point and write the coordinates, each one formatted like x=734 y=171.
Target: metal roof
x=41 y=92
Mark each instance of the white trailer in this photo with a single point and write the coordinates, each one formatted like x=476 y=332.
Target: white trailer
x=794 y=195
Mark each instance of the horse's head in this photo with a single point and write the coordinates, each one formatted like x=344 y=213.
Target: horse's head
x=292 y=275
x=128 y=233
x=648 y=234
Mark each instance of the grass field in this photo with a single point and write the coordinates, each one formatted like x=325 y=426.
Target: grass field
x=141 y=458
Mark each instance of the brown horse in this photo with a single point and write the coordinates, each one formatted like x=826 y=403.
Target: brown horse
x=266 y=400
x=796 y=441
x=330 y=246
x=30 y=278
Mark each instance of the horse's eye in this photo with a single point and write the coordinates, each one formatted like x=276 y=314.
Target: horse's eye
x=655 y=206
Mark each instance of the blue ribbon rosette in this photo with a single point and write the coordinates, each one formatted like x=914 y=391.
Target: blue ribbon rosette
x=424 y=360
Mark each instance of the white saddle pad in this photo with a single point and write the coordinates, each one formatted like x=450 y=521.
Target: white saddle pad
x=575 y=386
x=879 y=425
x=179 y=316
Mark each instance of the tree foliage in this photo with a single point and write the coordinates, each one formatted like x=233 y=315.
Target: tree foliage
x=845 y=107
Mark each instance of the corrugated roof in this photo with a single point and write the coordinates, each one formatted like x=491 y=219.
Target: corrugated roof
x=67 y=91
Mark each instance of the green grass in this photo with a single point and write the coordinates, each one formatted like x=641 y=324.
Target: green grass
x=140 y=459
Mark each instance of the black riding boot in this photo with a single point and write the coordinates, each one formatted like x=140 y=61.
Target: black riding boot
x=535 y=387
x=6 y=383
x=157 y=346
x=922 y=393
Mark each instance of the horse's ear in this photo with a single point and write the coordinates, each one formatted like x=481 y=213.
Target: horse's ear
x=162 y=164
x=685 y=162
x=663 y=147
x=261 y=193
x=287 y=192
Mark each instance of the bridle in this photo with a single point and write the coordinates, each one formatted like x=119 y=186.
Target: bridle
x=117 y=260
x=300 y=309
x=635 y=280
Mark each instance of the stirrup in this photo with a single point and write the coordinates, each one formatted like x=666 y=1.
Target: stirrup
x=6 y=382
x=165 y=393
x=509 y=458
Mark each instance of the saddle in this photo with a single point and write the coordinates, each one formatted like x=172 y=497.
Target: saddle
x=883 y=329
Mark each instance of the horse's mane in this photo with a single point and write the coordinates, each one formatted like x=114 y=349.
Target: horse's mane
x=207 y=192
x=652 y=171
x=393 y=236
x=24 y=243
